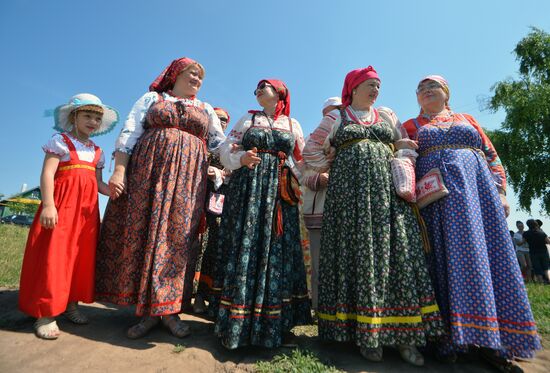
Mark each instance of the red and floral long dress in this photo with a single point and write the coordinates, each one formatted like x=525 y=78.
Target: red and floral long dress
x=59 y=263
x=146 y=254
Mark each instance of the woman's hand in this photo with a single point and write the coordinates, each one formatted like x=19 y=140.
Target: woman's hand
x=505 y=204
x=330 y=154
x=117 y=184
x=405 y=144
x=250 y=158
x=323 y=180
x=48 y=217
x=211 y=173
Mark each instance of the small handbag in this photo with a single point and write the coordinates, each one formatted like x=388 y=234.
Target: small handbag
x=290 y=187
x=215 y=203
x=403 y=174
x=430 y=188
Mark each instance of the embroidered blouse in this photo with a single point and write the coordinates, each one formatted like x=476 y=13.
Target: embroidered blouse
x=231 y=158
x=319 y=141
x=86 y=152
x=491 y=156
x=133 y=127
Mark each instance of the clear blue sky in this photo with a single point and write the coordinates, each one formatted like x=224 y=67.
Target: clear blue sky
x=52 y=50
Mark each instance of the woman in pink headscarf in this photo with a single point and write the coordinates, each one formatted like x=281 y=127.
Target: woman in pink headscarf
x=146 y=255
x=264 y=291
x=374 y=287
x=472 y=262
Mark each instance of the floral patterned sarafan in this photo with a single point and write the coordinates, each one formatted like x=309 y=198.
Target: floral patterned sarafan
x=146 y=255
x=374 y=287
x=264 y=290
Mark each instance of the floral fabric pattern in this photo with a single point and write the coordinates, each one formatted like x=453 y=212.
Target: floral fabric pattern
x=146 y=254
x=264 y=290
x=374 y=287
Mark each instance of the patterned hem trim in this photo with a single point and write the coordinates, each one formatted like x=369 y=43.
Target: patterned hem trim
x=123 y=299
x=380 y=319
x=382 y=309
x=494 y=329
x=385 y=328
x=492 y=319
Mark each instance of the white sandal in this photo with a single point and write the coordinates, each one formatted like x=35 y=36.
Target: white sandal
x=372 y=354
x=411 y=355
x=46 y=328
x=73 y=314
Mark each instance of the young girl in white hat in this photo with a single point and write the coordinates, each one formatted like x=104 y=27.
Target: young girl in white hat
x=59 y=262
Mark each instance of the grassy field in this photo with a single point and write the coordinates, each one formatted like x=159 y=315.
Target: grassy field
x=12 y=244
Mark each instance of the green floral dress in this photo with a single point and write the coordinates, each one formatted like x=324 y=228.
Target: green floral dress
x=264 y=290
x=374 y=287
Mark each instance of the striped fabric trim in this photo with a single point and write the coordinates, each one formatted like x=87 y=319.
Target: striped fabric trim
x=380 y=320
x=73 y=166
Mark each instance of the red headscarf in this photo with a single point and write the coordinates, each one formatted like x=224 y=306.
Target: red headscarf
x=283 y=105
x=219 y=111
x=165 y=81
x=353 y=79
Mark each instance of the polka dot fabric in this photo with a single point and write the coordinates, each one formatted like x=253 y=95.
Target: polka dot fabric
x=473 y=265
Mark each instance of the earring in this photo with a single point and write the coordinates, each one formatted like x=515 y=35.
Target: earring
x=354 y=91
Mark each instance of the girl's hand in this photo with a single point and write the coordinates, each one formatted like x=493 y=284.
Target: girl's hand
x=48 y=217
x=405 y=144
x=117 y=184
x=250 y=159
x=505 y=204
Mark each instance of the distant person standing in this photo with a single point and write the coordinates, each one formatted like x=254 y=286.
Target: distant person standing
x=538 y=252
x=522 y=251
x=314 y=186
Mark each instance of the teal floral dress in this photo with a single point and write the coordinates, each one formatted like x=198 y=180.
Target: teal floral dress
x=374 y=287
x=264 y=292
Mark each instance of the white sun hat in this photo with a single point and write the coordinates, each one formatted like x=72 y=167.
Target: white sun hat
x=61 y=113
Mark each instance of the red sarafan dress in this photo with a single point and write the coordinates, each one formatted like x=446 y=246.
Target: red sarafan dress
x=59 y=263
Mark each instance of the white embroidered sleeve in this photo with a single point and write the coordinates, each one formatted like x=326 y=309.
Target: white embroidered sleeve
x=133 y=127
x=56 y=145
x=230 y=151
x=101 y=162
x=215 y=131
x=319 y=142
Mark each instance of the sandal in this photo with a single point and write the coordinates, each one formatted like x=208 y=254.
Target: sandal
x=198 y=305
x=142 y=328
x=177 y=327
x=46 y=328
x=502 y=364
x=73 y=314
x=411 y=355
x=372 y=354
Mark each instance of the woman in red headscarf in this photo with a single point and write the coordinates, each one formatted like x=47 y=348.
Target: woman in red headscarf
x=374 y=287
x=146 y=255
x=264 y=291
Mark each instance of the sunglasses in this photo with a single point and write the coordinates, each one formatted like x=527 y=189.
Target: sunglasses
x=261 y=87
x=430 y=86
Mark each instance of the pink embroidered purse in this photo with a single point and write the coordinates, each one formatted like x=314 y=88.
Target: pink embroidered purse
x=430 y=188
x=215 y=203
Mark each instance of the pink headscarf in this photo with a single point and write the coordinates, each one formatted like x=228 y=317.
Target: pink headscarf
x=444 y=84
x=283 y=106
x=353 y=79
x=167 y=78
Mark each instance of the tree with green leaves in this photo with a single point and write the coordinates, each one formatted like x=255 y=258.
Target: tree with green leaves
x=523 y=142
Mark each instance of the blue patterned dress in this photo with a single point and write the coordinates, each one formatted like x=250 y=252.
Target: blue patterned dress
x=264 y=290
x=473 y=264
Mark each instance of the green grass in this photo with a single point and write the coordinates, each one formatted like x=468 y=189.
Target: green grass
x=178 y=348
x=297 y=361
x=539 y=296
x=12 y=247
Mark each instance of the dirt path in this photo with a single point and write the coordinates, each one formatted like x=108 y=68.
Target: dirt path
x=102 y=346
